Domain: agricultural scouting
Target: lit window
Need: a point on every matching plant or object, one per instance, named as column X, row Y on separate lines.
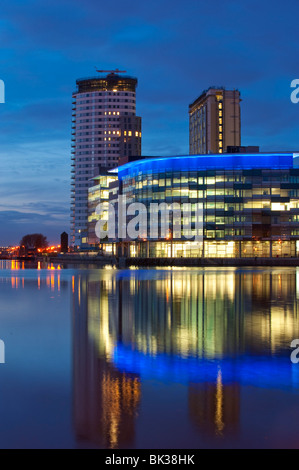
column 220, row 120
column 220, row 136
column 129, row 133
column 220, row 105
column 220, row 128
column 220, row 113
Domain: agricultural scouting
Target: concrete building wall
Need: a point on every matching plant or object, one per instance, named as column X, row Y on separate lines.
column 101, row 105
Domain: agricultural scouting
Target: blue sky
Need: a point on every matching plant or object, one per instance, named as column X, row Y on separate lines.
column 175, row 48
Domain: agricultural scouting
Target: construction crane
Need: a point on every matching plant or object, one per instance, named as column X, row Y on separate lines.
column 113, row 72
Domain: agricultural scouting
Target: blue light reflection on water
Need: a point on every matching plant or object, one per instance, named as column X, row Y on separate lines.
column 119, row 350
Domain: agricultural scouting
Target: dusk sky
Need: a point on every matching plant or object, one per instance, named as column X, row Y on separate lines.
column 175, row 48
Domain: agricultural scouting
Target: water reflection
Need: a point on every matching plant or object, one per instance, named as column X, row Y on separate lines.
column 211, row 331
column 19, row 272
column 214, row 408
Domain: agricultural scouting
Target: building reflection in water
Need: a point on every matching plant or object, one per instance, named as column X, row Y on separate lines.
column 210, row 330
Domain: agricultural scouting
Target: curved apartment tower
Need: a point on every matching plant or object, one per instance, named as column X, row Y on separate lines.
column 105, row 128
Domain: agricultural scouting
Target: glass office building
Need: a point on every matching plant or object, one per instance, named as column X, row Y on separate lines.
column 250, row 204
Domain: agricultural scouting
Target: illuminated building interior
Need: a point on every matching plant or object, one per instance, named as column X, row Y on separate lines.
column 98, row 192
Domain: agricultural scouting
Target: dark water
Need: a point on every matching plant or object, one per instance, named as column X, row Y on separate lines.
column 164, row 358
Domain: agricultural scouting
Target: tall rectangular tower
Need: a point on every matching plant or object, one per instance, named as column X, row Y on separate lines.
column 105, row 128
column 214, row 121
